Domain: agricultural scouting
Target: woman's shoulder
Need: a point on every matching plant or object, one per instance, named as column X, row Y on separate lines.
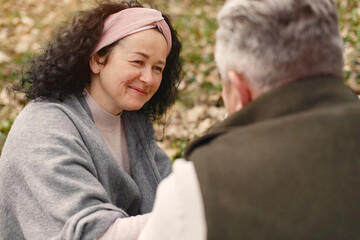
column 50, row 107
column 38, row 110
column 42, row 114
column 44, row 122
column 37, row 125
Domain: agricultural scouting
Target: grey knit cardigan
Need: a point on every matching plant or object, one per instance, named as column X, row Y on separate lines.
column 59, row 180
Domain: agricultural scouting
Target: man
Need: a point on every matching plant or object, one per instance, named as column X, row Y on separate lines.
column 285, row 164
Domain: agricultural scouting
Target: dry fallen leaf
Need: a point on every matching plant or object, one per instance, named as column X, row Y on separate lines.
column 4, row 58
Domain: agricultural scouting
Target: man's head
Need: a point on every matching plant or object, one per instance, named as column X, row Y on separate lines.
column 263, row 44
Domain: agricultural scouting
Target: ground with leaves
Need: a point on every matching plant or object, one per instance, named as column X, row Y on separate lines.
column 26, row 26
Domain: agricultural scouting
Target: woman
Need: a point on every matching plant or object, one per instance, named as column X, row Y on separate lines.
column 81, row 161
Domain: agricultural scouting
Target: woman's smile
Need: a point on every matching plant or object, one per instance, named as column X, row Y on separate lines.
column 138, row 90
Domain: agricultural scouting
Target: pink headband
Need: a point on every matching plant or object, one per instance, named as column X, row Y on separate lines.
column 129, row 21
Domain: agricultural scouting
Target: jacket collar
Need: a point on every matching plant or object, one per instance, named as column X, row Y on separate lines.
column 295, row 97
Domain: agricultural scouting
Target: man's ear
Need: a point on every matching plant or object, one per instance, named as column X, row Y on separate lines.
column 94, row 63
column 240, row 83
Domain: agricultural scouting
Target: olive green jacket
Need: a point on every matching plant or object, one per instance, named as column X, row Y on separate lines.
column 286, row 166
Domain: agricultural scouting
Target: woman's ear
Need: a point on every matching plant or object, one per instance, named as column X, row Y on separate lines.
column 241, row 85
column 95, row 64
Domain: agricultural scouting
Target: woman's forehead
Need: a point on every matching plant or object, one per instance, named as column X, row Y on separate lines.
column 148, row 42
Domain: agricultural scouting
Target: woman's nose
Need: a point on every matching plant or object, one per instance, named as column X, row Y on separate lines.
column 147, row 76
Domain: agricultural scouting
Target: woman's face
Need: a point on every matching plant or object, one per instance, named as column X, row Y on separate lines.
column 132, row 73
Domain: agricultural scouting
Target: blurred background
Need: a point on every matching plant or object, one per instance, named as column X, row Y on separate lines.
column 27, row 25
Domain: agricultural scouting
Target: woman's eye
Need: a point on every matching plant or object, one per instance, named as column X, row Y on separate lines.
column 137, row 62
column 158, row 69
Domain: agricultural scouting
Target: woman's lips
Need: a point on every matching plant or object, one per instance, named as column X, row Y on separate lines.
column 139, row 90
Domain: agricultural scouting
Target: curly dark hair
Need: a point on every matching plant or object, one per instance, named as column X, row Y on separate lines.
column 63, row 67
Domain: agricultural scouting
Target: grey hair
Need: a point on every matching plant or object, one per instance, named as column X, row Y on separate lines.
column 272, row 42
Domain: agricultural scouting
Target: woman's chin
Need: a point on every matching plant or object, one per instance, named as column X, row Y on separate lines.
column 134, row 108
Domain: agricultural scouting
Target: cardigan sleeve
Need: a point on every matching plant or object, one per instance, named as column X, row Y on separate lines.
column 51, row 181
column 125, row 228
